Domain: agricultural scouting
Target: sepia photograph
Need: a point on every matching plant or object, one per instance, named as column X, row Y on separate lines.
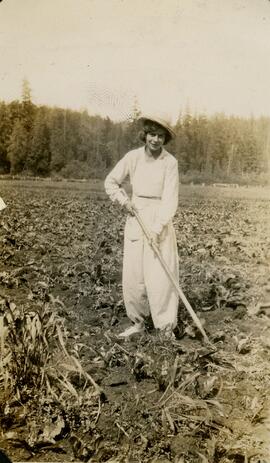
column 135, row 231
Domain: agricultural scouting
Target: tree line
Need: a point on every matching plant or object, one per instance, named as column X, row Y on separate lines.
column 45, row 141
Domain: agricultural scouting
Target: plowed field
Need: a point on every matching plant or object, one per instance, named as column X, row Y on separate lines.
column 71, row 390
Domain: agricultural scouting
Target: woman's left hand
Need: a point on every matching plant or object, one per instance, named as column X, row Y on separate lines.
column 155, row 239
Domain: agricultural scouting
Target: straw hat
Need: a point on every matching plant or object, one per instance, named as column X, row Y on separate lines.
column 159, row 120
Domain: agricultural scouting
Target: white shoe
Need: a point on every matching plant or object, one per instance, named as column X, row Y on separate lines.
column 134, row 329
column 167, row 334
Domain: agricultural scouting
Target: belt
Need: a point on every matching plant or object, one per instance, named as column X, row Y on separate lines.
column 148, row 197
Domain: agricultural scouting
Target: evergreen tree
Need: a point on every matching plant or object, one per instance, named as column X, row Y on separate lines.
column 47, row 140
column 58, row 139
column 39, row 156
column 85, row 138
column 27, row 108
column 4, row 135
column 18, row 147
column 131, row 128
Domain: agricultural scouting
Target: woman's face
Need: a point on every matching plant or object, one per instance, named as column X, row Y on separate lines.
column 155, row 139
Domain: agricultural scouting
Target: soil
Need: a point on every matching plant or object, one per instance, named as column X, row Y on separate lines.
column 180, row 400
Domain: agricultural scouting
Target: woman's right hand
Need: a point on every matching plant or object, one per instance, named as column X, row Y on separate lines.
column 130, row 207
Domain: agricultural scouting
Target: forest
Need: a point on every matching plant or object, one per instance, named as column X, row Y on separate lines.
column 44, row 141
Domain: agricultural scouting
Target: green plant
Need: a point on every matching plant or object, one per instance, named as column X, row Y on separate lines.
column 34, row 357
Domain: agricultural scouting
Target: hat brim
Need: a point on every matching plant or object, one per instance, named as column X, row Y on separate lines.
column 160, row 122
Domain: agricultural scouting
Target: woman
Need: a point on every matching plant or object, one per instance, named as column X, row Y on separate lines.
column 153, row 174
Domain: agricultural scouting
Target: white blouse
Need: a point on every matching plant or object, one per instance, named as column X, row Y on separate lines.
column 150, row 178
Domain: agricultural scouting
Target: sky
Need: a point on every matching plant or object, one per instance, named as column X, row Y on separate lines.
column 205, row 56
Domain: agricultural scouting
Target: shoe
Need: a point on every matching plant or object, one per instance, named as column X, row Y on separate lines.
column 134, row 329
column 167, row 334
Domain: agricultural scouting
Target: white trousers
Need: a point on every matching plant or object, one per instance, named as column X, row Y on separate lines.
column 146, row 286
